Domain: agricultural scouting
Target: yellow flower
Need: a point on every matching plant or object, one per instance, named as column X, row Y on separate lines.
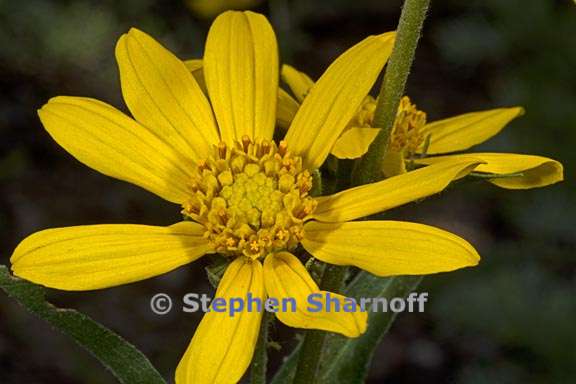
column 413, row 139
column 243, row 194
column 211, row 8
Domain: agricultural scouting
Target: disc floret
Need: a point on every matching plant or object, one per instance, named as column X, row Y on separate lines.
column 365, row 115
column 407, row 135
column 251, row 197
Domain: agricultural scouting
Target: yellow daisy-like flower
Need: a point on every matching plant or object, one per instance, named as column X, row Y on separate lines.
column 413, row 139
column 244, row 195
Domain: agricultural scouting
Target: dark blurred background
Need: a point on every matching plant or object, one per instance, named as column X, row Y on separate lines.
column 510, row 320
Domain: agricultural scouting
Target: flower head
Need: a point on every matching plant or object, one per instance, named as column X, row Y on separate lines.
column 417, row 141
column 209, row 147
column 252, row 198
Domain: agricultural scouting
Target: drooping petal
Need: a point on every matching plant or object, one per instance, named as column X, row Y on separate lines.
column 534, row 171
column 110, row 142
column 354, row 142
column 298, row 82
column 241, row 72
column 100, row 256
column 336, row 97
column 388, row 248
column 162, row 95
column 377, row 197
column 286, row 278
column 223, row 345
column 464, row 131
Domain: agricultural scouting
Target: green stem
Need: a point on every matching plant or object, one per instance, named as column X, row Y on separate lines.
column 311, row 351
column 260, row 358
column 392, row 89
column 369, row 167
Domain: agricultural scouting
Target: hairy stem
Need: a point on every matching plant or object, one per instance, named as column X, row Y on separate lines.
column 313, row 343
column 412, row 18
column 369, row 167
column 260, row 358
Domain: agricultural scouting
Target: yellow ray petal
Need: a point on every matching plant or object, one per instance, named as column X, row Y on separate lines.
column 222, row 346
column 336, row 97
column 193, row 64
column 105, row 139
column 195, row 67
column 241, row 72
column 393, row 163
column 286, row 110
column 100, row 256
column 536, row 171
column 162, row 95
column 286, row 278
column 354, row 142
column 377, row 197
column 464, row 131
column 298, row 82
column 388, row 248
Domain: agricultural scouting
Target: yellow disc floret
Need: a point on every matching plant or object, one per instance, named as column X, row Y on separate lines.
column 364, row 117
column 251, row 197
column 407, row 135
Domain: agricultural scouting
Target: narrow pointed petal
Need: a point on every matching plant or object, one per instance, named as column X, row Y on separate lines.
column 336, row 97
column 377, row 197
column 389, row 248
column 110, row 142
column 464, row 131
column 223, row 345
column 241, row 71
column 286, row 278
column 354, row 142
column 100, row 256
column 298, row 82
column 162, row 95
column 535, row 171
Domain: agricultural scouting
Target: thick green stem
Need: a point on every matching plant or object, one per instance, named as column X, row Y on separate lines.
column 412, row 18
column 313, row 343
column 260, row 358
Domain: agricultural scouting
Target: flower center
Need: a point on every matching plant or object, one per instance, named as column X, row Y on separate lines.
column 407, row 135
column 251, row 197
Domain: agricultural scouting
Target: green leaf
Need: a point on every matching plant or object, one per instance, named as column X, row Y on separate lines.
column 348, row 360
column 121, row 358
column 344, row 360
column 285, row 374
